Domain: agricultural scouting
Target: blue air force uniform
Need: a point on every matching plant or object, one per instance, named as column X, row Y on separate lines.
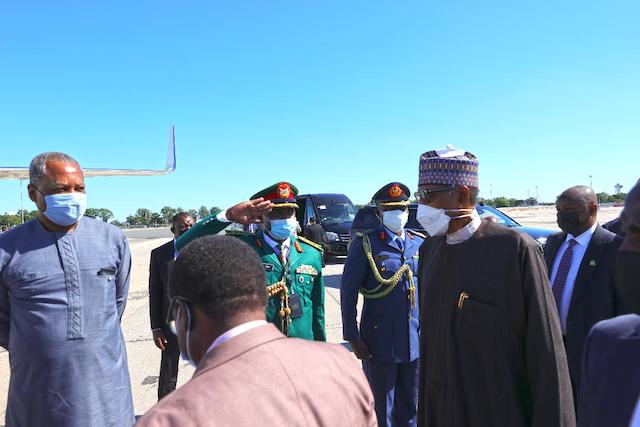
column 389, row 323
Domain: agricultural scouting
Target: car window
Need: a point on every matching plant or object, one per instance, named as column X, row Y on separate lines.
column 334, row 210
column 496, row 215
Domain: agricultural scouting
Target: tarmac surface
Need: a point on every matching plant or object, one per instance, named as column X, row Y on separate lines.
column 144, row 357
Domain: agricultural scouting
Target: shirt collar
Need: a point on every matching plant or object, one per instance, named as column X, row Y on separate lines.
column 585, row 237
column 393, row 235
column 234, row 332
column 275, row 245
column 465, row 232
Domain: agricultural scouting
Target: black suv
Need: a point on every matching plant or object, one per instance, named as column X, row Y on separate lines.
column 334, row 212
column 366, row 220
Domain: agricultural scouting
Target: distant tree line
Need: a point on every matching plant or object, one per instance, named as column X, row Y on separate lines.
column 505, row 202
column 611, row 198
column 145, row 217
column 142, row 216
column 10, row 220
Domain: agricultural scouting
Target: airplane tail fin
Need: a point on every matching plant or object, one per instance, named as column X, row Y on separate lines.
column 171, row 151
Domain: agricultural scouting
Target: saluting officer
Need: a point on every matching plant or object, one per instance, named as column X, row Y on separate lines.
column 382, row 265
column 293, row 264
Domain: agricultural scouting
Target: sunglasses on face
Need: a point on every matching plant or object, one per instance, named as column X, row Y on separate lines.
column 395, row 208
column 426, row 196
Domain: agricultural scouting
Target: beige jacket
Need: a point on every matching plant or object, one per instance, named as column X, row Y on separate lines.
column 261, row 378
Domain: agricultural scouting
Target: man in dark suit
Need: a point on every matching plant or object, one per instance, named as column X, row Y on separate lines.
column 314, row 231
column 161, row 257
column 611, row 375
column 580, row 261
column 610, row 393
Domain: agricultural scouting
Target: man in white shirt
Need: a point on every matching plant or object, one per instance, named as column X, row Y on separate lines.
column 247, row 372
column 580, row 261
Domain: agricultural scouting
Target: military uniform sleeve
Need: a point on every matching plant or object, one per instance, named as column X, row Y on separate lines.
column 206, row 226
column 317, row 300
column 155, row 294
column 547, row 369
column 353, row 277
column 123, row 276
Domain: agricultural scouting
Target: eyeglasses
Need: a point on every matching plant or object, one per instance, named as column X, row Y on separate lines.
column 425, row 195
column 174, row 305
column 394, row 208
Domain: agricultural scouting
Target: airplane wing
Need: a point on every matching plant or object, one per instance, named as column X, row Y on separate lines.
column 23, row 172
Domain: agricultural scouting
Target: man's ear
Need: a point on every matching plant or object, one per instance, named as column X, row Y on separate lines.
column 31, row 189
column 173, row 229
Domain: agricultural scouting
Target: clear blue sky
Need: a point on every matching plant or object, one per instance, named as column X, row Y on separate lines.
column 335, row 96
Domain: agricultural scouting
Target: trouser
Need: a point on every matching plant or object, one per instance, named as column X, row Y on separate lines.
column 169, row 366
column 395, row 390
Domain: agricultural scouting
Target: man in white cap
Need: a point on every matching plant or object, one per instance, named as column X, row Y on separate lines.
column 491, row 347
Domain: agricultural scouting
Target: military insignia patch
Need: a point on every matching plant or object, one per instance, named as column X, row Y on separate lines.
column 307, row 269
column 395, row 191
column 284, row 191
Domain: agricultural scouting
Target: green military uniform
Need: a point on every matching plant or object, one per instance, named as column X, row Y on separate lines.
column 303, row 274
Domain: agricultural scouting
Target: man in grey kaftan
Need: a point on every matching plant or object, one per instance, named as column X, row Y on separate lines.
column 62, row 294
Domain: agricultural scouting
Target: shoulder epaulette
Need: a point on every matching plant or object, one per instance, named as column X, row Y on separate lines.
column 415, row 233
column 368, row 232
column 310, row 243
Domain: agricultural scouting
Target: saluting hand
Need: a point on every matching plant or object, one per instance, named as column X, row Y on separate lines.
column 249, row 212
column 361, row 350
column 159, row 339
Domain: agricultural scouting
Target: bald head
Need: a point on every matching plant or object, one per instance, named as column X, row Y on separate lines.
column 577, row 209
column 580, row 194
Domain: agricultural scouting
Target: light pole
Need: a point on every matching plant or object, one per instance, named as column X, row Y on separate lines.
column 21, row 204
column 591, row 181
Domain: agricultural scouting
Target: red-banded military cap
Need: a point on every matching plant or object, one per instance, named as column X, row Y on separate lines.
column 392, row 194
column 282, row 195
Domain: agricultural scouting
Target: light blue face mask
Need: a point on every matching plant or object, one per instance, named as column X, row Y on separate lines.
column 65, row 209
column 282, row 229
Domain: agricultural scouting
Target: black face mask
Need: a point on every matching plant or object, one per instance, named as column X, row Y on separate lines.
column 628, row 281
column 569, row 221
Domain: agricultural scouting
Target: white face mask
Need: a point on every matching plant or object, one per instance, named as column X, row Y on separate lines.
column 186, row 357
column 395, row 220
column 436, row 221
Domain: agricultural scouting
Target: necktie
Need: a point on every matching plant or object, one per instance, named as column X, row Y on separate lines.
column 400, row 243
column 282, row 256
column 560, row 281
